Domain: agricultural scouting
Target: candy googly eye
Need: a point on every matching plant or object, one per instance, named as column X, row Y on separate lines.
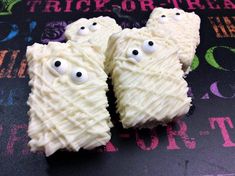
column 59, row 65
column 149, row 46
column 162, row 19
column 177, row 16
column 83, row 31
column 134, row 54
column 79, row 75
column 94, row 26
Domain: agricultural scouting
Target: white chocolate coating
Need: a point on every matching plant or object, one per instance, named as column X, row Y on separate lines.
column 67, row 112
column 150, row 88
column 182, row 26
column 97, row 34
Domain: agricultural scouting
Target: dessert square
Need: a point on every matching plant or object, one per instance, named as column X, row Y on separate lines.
column 181, row 26
column 96, row 30
column 68, row 97
column 147, row 78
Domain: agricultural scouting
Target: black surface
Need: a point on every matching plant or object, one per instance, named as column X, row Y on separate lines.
column 134, row 152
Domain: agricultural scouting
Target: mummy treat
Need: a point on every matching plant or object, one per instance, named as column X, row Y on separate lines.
column 68, row 97
column 147, row 78
column 182, row 26
column 97, row 30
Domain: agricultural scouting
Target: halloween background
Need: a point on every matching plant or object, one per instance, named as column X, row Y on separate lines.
column 202, row 143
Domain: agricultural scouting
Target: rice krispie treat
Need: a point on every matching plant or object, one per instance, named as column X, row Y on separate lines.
column 147, row 78
column 97, row 30
column 68, row 97
column 182, row 26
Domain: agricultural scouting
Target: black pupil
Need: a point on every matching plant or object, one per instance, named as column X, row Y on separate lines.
column 94, row 23
column 135, row 52
column 57, row 63
column 150, row 43
column 78, row 74
column 163, row 16
column 82, row 27
column 177, row 13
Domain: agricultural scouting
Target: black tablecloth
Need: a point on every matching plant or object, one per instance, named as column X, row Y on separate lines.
column 202, row 143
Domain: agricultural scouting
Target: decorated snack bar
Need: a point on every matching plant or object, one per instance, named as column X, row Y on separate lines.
column 96, row 30
column 67, row 100
column 147, row 77
column 181, row 26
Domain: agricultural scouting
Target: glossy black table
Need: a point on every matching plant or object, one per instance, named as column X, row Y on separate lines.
column 202, row 143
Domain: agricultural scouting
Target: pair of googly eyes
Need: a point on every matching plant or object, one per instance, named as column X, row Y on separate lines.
column 85, row 30
column 148, row 47
column 163, row 18
column 78, row 75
